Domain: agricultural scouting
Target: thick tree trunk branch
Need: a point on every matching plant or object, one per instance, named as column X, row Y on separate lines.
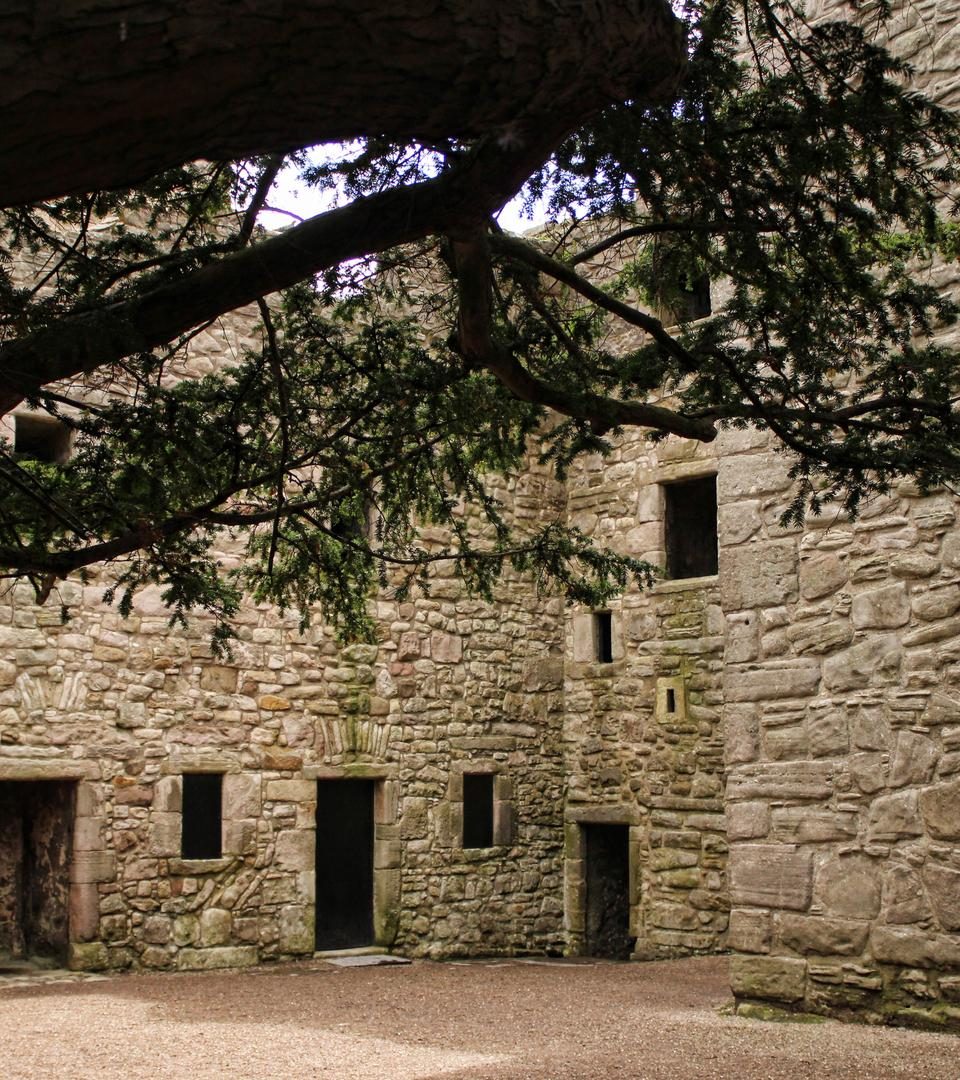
column 81, row 343
column 103, row 94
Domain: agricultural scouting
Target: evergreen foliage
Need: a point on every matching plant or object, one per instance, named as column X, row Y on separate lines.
column 394, row 380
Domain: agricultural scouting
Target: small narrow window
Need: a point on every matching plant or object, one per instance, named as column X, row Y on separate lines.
column 478, row 810
column 671, row 700
column 690, row 527
column 695, row 298
column 603, row 627
column 202, row 815
column 41, row 437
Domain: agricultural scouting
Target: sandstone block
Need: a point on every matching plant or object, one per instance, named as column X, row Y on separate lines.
column 767, row 977
column 274, row 703
column 856, row 667
column 741, row 724
column 904, row 898
column 750, row 931
column 868, row 772
column 914, row 564
column 157, row 929
column 914, row 760
column 942, row 709
column 295, row 849
column 446, row 648
column 827, row 937
column 943, row 889
column 296, row 929
column 765, row 875
column 165, row 832
column 822, row 574
column 88, row 956
column 894, row 817
column 291, row 790
column 218, row 679
column 936, row 604
column 186, row 929
column 810, row 780
column 748, row 820
column 93, row 866
column 884, row 608
column 914, row 948
column 828, row 732
column 758, row 575
column 84, row 912
column 940, row 806
column 168, row 795
column 848, row 886
column 223, row 957
column 241, row 795
column 215, row 924
column 819, row 638
column 775, row 680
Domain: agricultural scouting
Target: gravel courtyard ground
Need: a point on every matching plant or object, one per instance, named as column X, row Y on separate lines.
column 472, row 1020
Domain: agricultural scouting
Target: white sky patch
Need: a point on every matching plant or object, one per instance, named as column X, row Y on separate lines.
column 292, row 199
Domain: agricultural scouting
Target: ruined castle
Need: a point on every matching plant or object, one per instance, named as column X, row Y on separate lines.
column 760, row 754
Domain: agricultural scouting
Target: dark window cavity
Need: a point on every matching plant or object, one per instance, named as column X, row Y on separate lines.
column 478, row 810
column 42, row 438
column 603, row 635
column 691, row 527
column 671, row 700
column 202, row 815
column 695, row 298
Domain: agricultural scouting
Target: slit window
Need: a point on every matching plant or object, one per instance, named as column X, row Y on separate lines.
column 202, row 816
column 694, row 297
column 690, row 527
column 478, row 810
column 603, row 636
column 671, row 700
column 41, row 438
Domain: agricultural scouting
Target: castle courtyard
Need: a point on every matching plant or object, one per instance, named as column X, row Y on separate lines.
column 472, row 1020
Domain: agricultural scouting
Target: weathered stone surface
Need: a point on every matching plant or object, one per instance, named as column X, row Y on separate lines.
column 747, row 821
column 767, row 977
column 295, row 849
column 765, row 875
column 848, row 886
column 828, row 732
column 940, row 806
column 296, row 929
column 943, row 889
column 757, row 575
column 215, row 926
column 750, row 931
column 914, row 948
column 883, row 608
column 827, row 937
column 857, row 667
column 904, row 898
column 914, row 759
column 819, row 638
column 232, row 956
column 776, row 679
column 781, row 780
column 894, row 817
column 822, row 574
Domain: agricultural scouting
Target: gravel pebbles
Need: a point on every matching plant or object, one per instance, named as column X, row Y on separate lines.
column 473, row 1020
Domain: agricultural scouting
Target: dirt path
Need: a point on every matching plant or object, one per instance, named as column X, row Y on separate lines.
column 475, row 1020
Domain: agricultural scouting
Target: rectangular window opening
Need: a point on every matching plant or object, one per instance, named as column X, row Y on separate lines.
column 603, row 625
column 695, row 298
column 202, row 816
column 478, row 810
column 671, row 700
column 690, row 527
column 42, row 438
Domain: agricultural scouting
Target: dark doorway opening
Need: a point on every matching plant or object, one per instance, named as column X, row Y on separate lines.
column 607, row 922
column 344, row 864
column 36, row 833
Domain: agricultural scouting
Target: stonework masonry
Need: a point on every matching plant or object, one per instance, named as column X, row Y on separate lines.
column 774, row 748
